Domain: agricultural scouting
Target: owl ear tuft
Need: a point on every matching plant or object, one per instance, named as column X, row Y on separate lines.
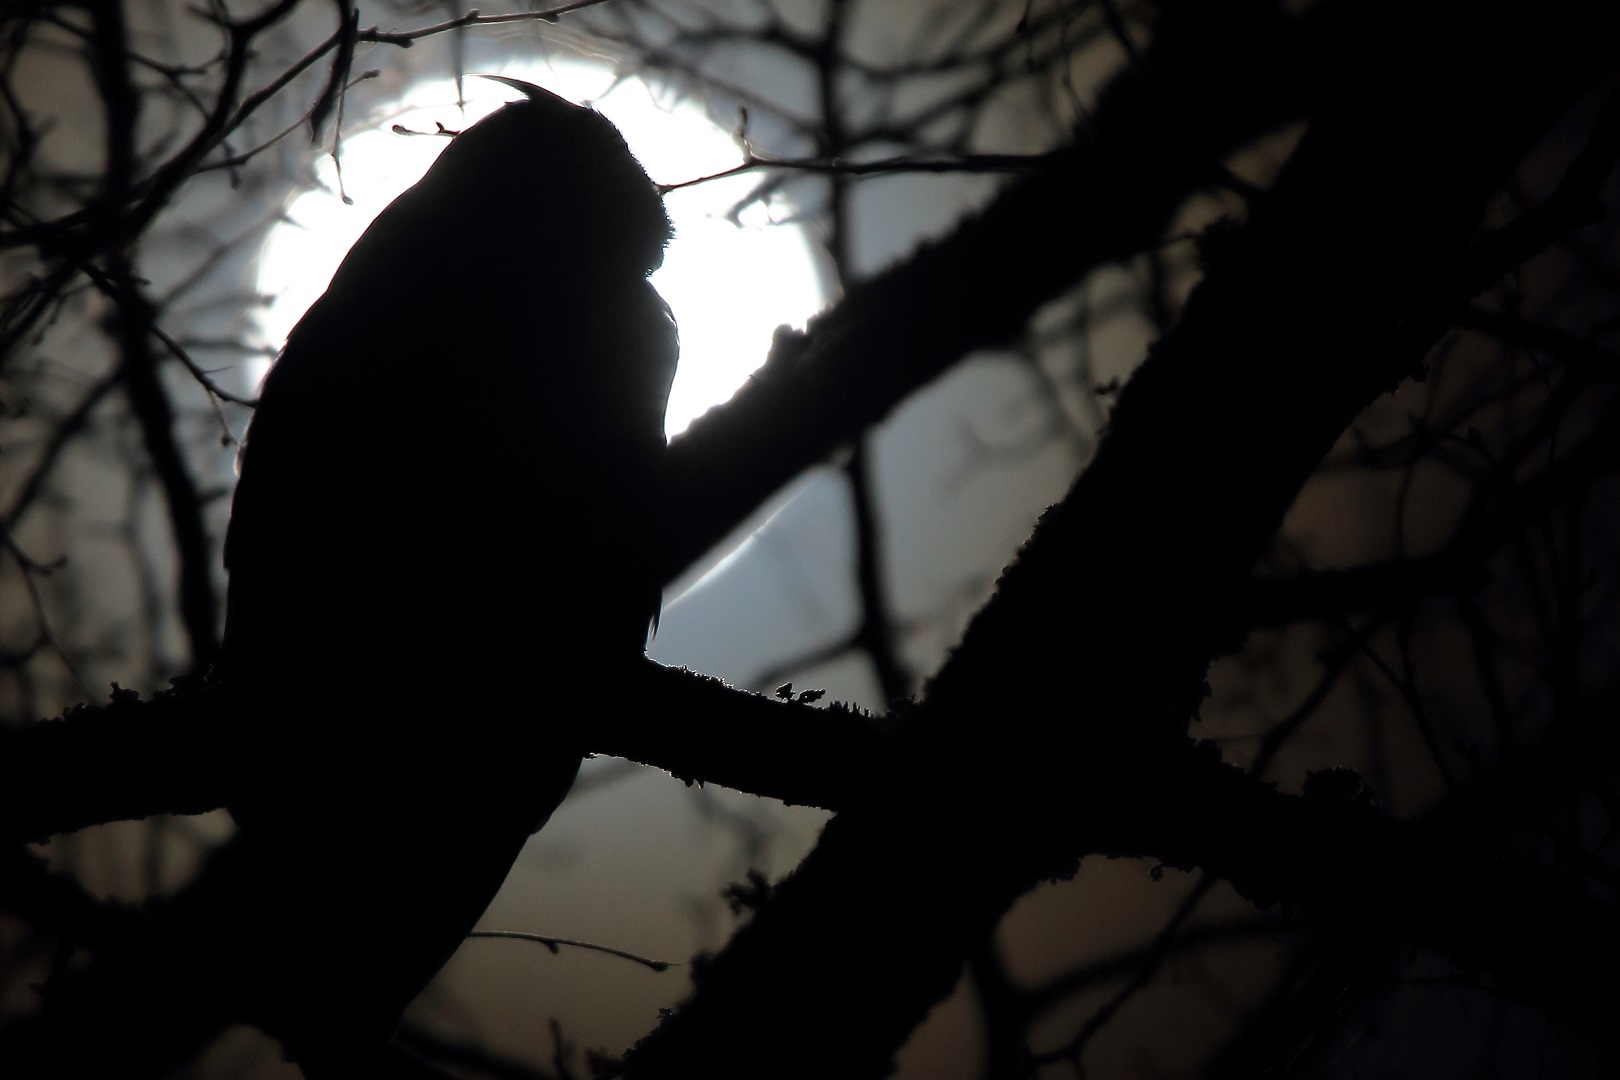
column 527, row 89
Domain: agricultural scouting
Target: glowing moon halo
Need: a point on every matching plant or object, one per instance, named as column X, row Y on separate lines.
column 730, row 284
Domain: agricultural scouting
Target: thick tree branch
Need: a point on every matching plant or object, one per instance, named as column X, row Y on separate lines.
column 703, row 731
column 1124, row 594
column 179, row 752
column 1217, row 78
column 124, row 760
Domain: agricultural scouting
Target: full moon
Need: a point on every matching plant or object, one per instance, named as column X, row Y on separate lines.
column 731, row 279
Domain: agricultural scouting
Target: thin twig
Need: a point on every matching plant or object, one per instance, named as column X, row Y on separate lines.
column 555, row 943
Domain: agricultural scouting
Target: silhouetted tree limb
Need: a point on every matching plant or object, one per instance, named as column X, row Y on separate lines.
column 179, row 752
column 1310, row 313
column 703, row 731
column 1218, row 80
column 128, row 759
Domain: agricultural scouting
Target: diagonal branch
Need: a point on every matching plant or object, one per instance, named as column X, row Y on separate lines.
column 1314, row 310
column 1110, row 196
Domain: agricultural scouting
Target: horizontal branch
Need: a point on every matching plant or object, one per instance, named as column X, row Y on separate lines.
column 179, row 752
column 702, row 731
column 126, row 760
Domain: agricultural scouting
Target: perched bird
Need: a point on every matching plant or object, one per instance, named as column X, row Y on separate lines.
column 438, row 569
column 436, row 565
